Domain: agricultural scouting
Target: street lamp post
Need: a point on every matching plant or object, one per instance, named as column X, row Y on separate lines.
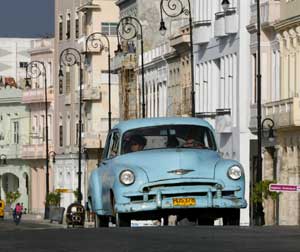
column 259, row 208
column 70, row 57
column 130, row 28
column 34, row 70
column 174, row 8
column 94, row 42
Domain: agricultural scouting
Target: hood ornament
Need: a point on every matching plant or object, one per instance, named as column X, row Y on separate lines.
column 180, row 171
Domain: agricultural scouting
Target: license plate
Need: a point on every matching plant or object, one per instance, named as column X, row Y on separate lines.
column 184, row 201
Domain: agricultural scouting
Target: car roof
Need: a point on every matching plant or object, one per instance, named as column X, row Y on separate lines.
column 123, row 126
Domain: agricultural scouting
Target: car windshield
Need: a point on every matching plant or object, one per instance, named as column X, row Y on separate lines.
column 168, row 136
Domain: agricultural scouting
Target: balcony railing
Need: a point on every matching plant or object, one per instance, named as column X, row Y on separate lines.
column 35, row 151
column 41, row 43
column 284, row 113
column 91, row 140
column 202, row 32
column 219, row 25
column 37, row 95
column 91, row 93
column 128, row 61
column 270, row 12
column 180, row 40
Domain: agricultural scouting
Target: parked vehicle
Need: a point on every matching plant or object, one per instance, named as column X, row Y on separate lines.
column 153, row 168
column 2, row 207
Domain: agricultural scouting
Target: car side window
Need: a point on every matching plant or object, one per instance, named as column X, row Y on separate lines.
column 114, row 145
column 106, row 148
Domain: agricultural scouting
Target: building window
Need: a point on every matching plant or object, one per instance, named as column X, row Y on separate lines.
column 77, row 132
column 61, row 138
column 60, row 27
column 23, row 64
column 43, row 128
column 16, row 132
column 68, row 83
column 68, row 131
column 77, row 28
column 68, row 33
column 60, row 86
column 109, row 29
column 83, row 24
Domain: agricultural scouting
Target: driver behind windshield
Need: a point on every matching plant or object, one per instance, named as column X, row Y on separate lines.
column 137, row 143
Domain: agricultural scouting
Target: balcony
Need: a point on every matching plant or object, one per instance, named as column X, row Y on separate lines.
column 91, row 93
column 201, row 32
column 124, row 60
column 35, row 151
column 42, row 46
column 219, row 27
column 91, row 140
column 285, row 113
column 37, row 95
column 270, row 13
column 91, row 5
column 231, row 21
column 180, row 40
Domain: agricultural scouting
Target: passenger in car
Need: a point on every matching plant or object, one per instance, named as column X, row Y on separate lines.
column 192, row 142
column 137, row 143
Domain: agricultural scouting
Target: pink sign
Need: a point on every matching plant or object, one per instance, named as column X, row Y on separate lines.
column 283, row 188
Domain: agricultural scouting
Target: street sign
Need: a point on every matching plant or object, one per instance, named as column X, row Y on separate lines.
column 284, row 188
column 63, row 190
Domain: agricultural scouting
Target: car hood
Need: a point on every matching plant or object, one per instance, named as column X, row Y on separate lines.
column 173, row 163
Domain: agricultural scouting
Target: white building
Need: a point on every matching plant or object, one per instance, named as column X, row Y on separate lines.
column 222, row 78
column 222, row 68
column 14, row 56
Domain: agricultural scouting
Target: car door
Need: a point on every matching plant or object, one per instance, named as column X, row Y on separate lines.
column 108, row 177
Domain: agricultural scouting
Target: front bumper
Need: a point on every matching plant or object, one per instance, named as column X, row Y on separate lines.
column 159, row 199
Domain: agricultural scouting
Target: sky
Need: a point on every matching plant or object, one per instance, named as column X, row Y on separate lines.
column 26, row 18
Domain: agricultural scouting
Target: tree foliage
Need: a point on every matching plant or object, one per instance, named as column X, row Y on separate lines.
column 11, row 197
column 53, row 199
column 261, row 191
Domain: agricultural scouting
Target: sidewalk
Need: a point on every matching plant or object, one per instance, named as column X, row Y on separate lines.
column 40, row 219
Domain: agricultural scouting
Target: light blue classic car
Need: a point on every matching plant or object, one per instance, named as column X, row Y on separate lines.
column 154, row 168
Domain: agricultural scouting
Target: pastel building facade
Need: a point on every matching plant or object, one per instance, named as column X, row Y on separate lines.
column 14, row 56
column 14, row 127
column 33, row 97
column 281, row 161
column 75, row 20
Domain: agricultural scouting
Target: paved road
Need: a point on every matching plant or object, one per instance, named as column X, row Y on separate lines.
column 47, row 237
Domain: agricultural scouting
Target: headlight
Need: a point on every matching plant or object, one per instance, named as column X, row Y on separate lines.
column 127, row 177
column 234, row 172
